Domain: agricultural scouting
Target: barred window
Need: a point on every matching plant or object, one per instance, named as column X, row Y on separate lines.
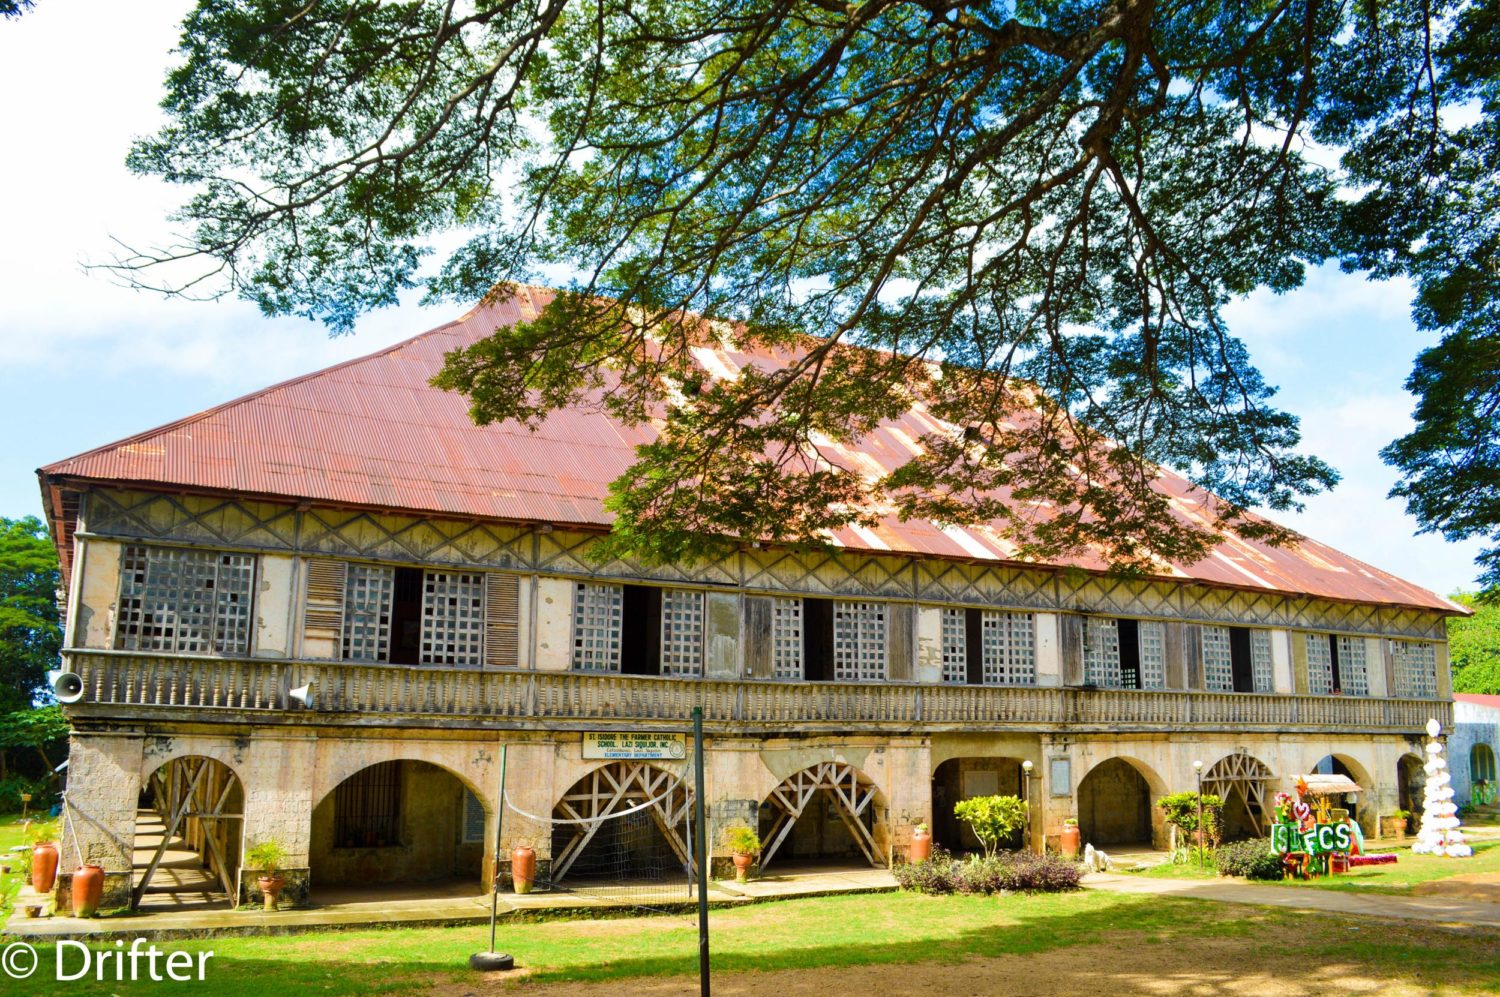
column 473, row 818
column 453, row 618
column 681, row 632
column 859, row 641
column 955, row 646
column 1416, row 669
column 368, row 591
column 786, row 638
column 1260, row 660
column 367, row 808
column 1009, row 649
column 1153, row 637
column 1319, row 664
column 1354, row 680
column 184, row 601
column 598, row 614
column 1101, row 652
column 1218, row 660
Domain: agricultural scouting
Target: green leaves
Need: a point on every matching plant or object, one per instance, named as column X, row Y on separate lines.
column 1028, row 217
column 30, row 636
column 993, row 818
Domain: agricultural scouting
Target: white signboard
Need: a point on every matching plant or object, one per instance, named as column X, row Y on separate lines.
column 604, row 744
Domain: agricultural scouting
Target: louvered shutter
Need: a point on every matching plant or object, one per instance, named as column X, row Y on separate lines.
column 323, row 617
column 502, row 620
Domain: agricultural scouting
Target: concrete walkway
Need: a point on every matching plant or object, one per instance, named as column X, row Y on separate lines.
column 1429, row 910
column 370, row 910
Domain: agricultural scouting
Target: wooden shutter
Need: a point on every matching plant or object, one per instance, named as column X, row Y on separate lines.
column 758, row 638
column 1070, row 640
column 502, row 620
column 901, row 623
column 323, row 611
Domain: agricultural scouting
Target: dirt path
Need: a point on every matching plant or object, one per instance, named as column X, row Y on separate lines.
column 1445, row 908
column 1240, row 964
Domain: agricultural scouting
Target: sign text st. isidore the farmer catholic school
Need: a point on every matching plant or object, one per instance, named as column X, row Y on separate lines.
column 626, row 744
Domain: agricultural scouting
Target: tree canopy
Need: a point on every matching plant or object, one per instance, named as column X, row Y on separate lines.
column 30, row 637
column 1474, row 647
column 1031, row 214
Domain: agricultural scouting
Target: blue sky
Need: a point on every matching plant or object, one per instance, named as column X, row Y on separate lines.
column 86, row 361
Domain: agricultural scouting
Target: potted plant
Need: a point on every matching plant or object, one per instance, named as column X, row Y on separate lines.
column 1072, row 838
column 744, row 845
column 43, row 838
column 266, row 858
column 1394, row 826
column 921, row 844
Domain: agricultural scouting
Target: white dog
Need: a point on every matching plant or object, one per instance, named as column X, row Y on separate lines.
column 1095, row 860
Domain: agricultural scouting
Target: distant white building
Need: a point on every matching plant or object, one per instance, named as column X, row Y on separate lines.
column 1474, row 744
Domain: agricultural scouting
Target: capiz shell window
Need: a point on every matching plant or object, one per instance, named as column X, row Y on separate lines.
column 859, row 641
column 184, row 601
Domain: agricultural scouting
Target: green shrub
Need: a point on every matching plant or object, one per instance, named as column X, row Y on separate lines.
column 742, row 841
column 43, row 794
column 266, row 857
column 1250, row 859
column 1002, row 872
column 993, row 818
column 1181, row 810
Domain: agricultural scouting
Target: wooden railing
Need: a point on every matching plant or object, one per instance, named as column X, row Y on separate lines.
column 116, row 682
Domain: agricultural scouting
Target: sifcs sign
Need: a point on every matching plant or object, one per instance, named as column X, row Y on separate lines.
column 1320, row 839
column 626, row 744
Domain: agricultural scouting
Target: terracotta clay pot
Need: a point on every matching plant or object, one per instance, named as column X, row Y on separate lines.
column 1393, row 827
column 88, row 888
column 523, row 867
column 1072, row 841
column 44, row 866
column 270, row 889
column 921, row 845
column 742, row 865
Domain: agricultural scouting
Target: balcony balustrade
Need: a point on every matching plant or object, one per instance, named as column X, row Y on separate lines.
column 125, row 684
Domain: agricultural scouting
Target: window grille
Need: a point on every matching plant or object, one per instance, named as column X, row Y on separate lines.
column 858, row 641
column 473, row 818
column 955, row 646
column 1153, row 638
column 681, row 632
column 1319, row 664
column 368, row 593
column 786, row 638
column 453, row 618
column 1009, row 648
column 1260, row 660
column 1416, row 669
column 1101, row 652
column 1218, row 662
column 1354, row 679
column 184, row 601
column 598, row 614
column 367, row 807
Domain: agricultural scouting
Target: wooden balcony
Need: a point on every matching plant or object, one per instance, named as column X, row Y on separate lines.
column 125, row 685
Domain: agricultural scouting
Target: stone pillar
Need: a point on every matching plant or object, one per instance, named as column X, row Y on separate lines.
column 278, row 774
column 104, row 785
column 534, row 780
column 909, row 790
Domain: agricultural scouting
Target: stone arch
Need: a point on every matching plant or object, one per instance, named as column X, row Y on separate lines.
column 156, row 756
column 612, row 809
column 818, row 809
column 1117, row 803
column 1243, row 782
column 330, row 777
column 1338, row 763
column 1482, row 769
column 397, row 821
column 962, row 777
column 190, row 828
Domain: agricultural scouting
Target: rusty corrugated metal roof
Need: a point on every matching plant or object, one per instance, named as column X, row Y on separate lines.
column 372, row 432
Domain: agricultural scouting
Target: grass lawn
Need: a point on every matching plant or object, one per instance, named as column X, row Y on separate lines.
column 19, row 862
column 1082, row 941
column 1409, row 871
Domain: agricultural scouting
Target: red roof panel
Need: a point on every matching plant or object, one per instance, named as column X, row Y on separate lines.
column 373, row 432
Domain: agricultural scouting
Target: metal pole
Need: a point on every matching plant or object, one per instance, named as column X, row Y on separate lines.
column 1200, row 820
column 701, row 849
column 492, row 960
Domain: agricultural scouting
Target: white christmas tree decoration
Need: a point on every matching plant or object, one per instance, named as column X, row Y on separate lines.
column 1439, row 834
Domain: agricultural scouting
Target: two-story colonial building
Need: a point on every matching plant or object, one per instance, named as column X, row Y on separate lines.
column 431, row 581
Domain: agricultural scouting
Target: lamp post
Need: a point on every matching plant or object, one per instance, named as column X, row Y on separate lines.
column 1026, row 767
column 1198, row 773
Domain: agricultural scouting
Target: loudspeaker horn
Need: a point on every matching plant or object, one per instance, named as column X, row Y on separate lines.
column 304, row 695
column 66, row 686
